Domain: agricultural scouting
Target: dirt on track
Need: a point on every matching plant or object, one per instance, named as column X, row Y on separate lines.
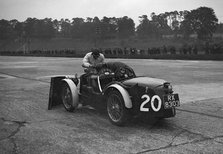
column 26, row 126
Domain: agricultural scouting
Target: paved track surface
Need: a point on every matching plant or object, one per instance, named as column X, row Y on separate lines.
column 26, row 126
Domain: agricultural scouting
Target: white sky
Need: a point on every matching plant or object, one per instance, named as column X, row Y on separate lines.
column 57, row 9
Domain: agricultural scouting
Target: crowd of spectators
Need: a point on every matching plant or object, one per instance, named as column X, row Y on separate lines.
column 164, row 50
column 170, row 50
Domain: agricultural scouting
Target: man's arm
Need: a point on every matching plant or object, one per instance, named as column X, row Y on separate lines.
column 86, row 60
column 103, row 58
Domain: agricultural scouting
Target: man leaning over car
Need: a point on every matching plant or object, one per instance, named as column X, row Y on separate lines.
column 93, row 58
column 90, row 61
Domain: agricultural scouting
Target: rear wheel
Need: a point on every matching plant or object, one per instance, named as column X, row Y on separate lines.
column 116, row 110
column 68, row 97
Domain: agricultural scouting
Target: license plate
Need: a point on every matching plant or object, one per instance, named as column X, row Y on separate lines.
column 171, row 100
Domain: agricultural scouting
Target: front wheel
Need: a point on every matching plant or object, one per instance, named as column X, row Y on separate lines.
column 116, row 110
column 169, row 113
column 69, row 96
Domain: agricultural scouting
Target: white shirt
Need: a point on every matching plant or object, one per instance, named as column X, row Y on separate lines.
column 89, row 60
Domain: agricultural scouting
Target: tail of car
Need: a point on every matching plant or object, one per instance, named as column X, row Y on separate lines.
column 56, row 85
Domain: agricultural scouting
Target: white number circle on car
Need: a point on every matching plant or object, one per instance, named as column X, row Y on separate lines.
column 147, row 99
column 159, row 103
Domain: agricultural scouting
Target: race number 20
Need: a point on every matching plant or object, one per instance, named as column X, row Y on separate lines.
column 152, row 101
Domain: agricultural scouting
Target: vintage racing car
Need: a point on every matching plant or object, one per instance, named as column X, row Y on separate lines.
column 114, row 87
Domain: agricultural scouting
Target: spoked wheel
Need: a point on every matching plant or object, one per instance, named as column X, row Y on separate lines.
column 68, row 97
column 116, row 110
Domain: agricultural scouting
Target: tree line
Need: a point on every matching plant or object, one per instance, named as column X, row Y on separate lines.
column 201, row 21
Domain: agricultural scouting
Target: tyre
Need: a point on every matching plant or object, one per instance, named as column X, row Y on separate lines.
column 69, row 96
column 116, row 110
column 172, row 112
column 169, row 113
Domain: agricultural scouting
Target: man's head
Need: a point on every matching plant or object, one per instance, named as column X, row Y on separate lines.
column 95, row 53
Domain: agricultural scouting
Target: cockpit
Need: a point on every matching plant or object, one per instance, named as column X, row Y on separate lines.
column 117, row 70
column 109, row 72
column 106, row 73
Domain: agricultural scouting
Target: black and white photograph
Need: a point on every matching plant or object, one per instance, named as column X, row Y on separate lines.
column 111, row 76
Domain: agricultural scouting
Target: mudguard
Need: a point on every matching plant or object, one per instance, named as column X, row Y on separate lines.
column 74, row 91
column 124, row 93
column 56, row 84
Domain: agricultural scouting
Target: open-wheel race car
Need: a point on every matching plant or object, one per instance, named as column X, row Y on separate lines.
column 114, row 87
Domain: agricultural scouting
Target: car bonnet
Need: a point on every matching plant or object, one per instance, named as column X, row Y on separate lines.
column 144, row 81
